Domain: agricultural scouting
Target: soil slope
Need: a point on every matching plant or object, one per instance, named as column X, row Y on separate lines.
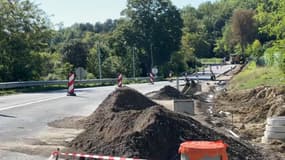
column 250, row 110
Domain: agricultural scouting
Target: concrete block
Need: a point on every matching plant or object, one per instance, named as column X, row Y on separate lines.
column 184, row 106
column 275, row 129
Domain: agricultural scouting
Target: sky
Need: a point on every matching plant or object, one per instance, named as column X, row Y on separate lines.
column 82, row 11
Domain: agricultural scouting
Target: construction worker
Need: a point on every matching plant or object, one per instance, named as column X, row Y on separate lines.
column 213, row 77
column 187, row 85
column 170, row 76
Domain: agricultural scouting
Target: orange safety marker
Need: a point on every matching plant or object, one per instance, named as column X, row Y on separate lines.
column 197, row 150
column 151, row 78
column 120, row 80
column 71, row 80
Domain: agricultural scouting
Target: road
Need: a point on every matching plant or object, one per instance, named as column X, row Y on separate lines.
column 217, row 70
column 24, row 116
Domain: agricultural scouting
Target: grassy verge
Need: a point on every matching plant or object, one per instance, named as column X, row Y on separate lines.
column 31, row 89
column 253, row 76
column 211, row 60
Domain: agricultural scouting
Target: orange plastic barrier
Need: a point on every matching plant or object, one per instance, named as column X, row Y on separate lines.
column 197, row 150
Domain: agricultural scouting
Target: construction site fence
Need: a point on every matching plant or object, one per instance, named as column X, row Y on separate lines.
column 21, row 84
column 78, row 156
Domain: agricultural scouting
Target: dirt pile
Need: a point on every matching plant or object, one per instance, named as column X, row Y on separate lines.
column 256, row 104
column 168, row 92
column 250, row 110
column 128, row 124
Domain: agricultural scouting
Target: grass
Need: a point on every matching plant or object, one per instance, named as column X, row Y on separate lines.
column 211, row 60
column 253, row 76
column 31, row 89
column 7, row 92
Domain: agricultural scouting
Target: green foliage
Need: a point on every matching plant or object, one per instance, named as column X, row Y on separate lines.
column 92, row 61
column 108, row 26
column 24, row 30
column 226, row 44
column 75, row 53
column 255, row 49
column 275, row 56
column 196, row 35
column 271, row 16
column 254, row 76
column 112, row 66
column 54, row 68
column 211, row 60
column 153, row 33
column 90, row 76
column 178, row 63
column 155, row 27
column 210, row 26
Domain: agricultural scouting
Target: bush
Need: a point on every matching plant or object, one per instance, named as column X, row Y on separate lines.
column 90, row 76
column 260, row 61
column 282, row 63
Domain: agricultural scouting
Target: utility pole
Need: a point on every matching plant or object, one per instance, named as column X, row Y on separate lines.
column 134, row 67
column 151, row 56
column 99, row 60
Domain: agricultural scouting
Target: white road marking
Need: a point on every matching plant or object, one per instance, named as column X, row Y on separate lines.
column 28, row 103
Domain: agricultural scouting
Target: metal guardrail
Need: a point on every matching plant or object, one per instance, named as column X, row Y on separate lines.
column 7, row 85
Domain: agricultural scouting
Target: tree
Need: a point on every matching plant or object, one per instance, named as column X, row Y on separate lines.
column 24, row 30
column 271, row 17
column 108, row 26
column 256, row 48
column 157, row 31
column 190, row 19
column 244, row 27
column 226, row 44
column 112, row 66
column 75, row 52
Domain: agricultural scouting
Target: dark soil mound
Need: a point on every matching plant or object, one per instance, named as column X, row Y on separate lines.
column 128, row 124
column 168, row 92
column 126, row 99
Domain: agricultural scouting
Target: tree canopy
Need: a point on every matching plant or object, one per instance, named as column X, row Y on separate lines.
column 156, row 29
column 151, row 33
column 24, row 29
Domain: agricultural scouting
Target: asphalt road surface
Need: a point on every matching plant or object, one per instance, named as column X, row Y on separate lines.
column 23, row 116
